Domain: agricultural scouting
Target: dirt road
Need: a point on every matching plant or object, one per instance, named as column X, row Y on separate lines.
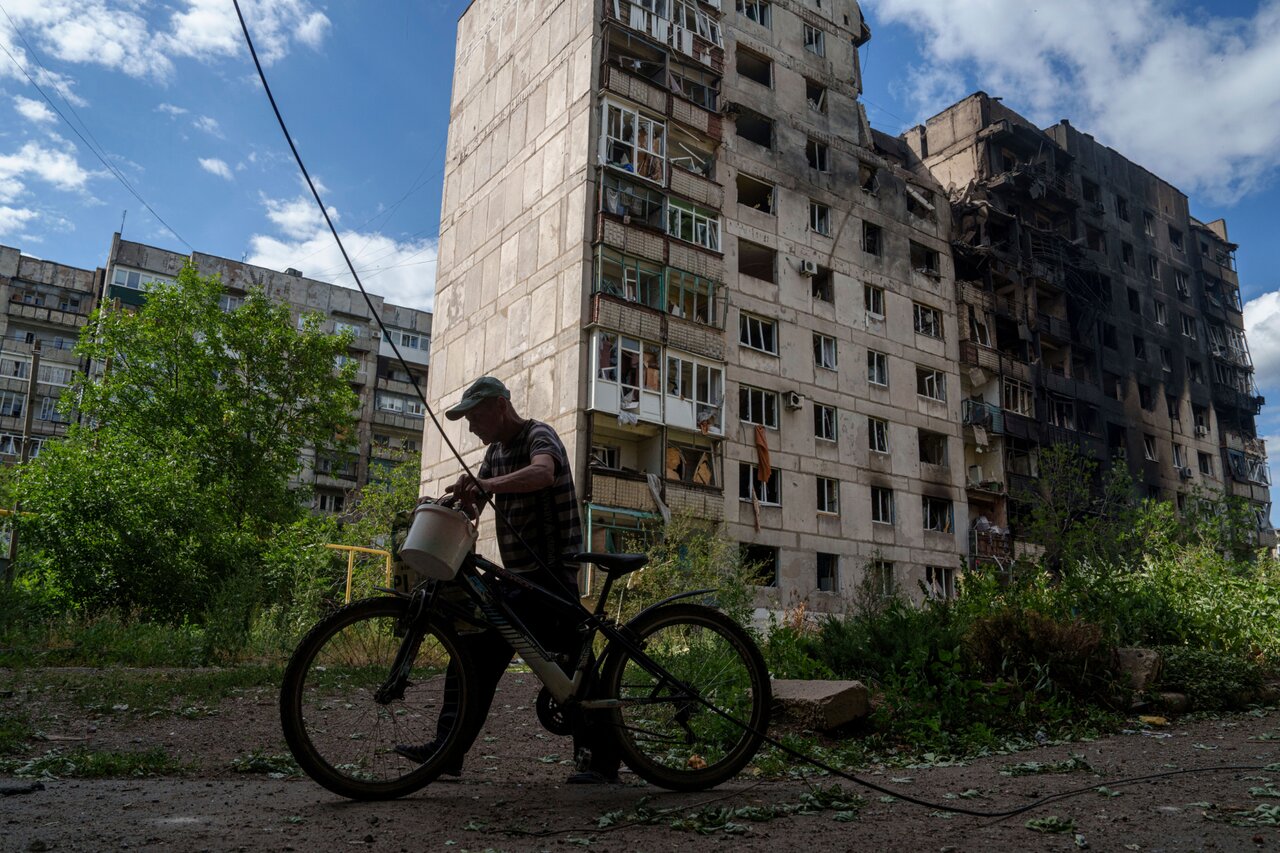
column 513, row 790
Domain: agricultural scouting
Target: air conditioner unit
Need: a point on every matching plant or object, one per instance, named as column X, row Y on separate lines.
column 794, row 400
column 1184, row 473
column 808, row 268
column 1202, row 430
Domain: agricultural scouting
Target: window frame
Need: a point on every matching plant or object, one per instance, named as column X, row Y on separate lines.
column 828, row 495
column 927, row 320
column 768, row 493
column 745, row 329
column 931, row 379
column 877, row 435
column 747, row 413
column 882, row 506
column 877, row 366
column 825, row 352
column 826, row 423
column 937, row 515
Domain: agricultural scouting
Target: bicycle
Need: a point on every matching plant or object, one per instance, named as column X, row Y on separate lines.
column 681, row 687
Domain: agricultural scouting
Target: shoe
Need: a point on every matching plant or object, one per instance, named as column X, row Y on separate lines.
column 424, row 753
column 592, row 777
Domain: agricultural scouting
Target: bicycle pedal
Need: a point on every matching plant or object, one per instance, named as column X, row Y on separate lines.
column 582, row 760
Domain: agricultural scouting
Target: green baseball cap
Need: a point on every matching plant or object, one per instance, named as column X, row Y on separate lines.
column 482, row 389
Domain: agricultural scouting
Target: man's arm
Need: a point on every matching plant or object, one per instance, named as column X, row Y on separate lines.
column 537, row 475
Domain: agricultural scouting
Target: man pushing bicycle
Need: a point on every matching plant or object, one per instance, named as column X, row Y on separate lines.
column 527, row 471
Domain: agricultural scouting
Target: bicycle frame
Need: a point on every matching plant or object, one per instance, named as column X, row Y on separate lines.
column 498, row 616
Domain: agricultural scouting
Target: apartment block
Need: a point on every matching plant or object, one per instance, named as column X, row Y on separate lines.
column 1093, row 311
column 391, row 415
column 668, row 226
column 46, row 304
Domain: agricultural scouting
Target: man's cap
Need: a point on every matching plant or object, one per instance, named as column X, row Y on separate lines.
column 482, row 389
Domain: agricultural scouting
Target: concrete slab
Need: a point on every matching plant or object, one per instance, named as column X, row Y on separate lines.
column 821, row 705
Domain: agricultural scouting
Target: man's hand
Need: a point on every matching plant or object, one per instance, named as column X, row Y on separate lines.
column 467, row 490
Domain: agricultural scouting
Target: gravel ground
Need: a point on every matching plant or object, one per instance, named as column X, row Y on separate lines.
column 513, row 789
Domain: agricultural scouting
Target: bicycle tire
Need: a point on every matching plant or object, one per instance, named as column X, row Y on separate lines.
column 340, row 735
column 711, row 654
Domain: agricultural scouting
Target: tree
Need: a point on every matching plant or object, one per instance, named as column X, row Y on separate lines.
column 178, row 478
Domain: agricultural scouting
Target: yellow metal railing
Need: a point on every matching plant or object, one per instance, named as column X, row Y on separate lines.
column 352, row 550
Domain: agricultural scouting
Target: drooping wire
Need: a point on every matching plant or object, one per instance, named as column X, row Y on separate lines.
column 94, row 149
column 569, row 597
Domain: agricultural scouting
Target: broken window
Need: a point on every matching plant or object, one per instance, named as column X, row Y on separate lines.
column 1135, row 304
column 634, row 142
column 937, row 514
column 758, row 333
column 1146, row 399
column 1108, row 335
column 687, row 17
column 933, row 448
column 979, row 330
column 818, row 155
column 1122, row 208
column 931, row 383
column 755, row 193
column 1018, row 398
column 924, row 259
column 693, row 297
column 815, row 40
column 1153, row 267
column 756, row 10
column 828, row 495
column 753, row 127
column 606, row 456
column 698, row 85
column 1195, row 372
column 753, row 66
column 757, row 406
column 868, row 178
column 1188, row 326
column 1180, row 283
column 1095, row 239
column 1091, row 194
column 631, row 199
column 630, row 278
column 877, row 435
column 928, row 321
column 819, row 218
column 1140, row 347
column 1062, row 412
column 1175, row 238
column 828, row 568
column 871, row 239
column 1149, row 451
column 824, row 351
column 873, row 300
column 1126, row 255
column 757, row 261
column 816, row 94
column 1166, row 358
column 820, row 285
column 824, row 422
column 1162, row 314
column 1148, row 224
column 688, row 152
column 687, row 221
column 689, row 462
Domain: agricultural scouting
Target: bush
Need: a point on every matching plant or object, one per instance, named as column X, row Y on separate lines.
column 1212, row 680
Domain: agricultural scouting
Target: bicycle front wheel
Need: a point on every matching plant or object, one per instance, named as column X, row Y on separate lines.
column 341, row 721
column 696, row 718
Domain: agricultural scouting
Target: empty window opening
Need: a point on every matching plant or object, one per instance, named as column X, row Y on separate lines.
column 819, row 218
column 818, row 155
column 757, row 261
column 924, row 259
column 933, row 448
column 828, row 569
column 824, row 422
column 872, row 239
column 820, row 285
column 758, row 333
column 816, row 94
column 755, row 193
column 754, row 127
column 757, row 11
column 815, row 40
column 753, row 66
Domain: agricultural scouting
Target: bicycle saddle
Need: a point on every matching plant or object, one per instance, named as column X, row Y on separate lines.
column 612, row 564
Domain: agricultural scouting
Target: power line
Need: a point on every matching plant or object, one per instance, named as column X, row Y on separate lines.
column 119, row 176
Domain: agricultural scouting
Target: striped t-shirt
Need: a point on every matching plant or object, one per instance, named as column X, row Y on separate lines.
column 547, row 519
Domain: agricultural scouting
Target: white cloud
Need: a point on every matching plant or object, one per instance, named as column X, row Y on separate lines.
column 214, row 166
column 59, row 168
column 1262, row 324
column 207, row 28
column 172, row 110
column 1158, row 85
column 208, row 125
column 12, row 219
column 402, row 272
column 33, row 110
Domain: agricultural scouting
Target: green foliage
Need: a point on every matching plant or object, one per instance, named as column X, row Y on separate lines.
column 83, row 763
column 173, row 502
column 690, row 555
column 1214, row 681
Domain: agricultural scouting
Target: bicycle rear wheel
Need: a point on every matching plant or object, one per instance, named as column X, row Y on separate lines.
column 665, row 732
column 341, row 731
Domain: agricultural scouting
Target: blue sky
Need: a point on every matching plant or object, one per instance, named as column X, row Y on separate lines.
column 165, row 92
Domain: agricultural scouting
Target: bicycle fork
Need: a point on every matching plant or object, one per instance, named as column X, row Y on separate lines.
column 420, row 604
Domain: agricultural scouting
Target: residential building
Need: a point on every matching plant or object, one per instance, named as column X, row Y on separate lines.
column 1094, row 311
column 670, row 229
column 45, row 304
column 391, row 415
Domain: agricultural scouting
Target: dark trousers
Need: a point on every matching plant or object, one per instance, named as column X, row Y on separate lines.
column 490, row 655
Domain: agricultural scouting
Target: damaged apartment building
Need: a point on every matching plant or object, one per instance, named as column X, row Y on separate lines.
column 1095, row 311
column 669, row 228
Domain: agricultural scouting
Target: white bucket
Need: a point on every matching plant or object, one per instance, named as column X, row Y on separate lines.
column 438, row 541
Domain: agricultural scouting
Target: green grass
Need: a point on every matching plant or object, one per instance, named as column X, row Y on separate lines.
column 188, row 693
column 81, row 763
column 102, row 641
column 15, row 731
column 272, row 764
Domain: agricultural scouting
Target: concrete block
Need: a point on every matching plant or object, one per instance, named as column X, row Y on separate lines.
column 1140, row 667
column 821, row 705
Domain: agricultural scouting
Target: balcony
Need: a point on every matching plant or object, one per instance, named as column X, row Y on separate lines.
column 1021, row 485
column 1058, row 328
column 970, row 293
column 701, row 502
column 976, row 355
column 635, row 320
column 622, row 490
column 990, row 545
column 636, row 90
column 694, row 33
column 982, row 415
column 48, row 314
